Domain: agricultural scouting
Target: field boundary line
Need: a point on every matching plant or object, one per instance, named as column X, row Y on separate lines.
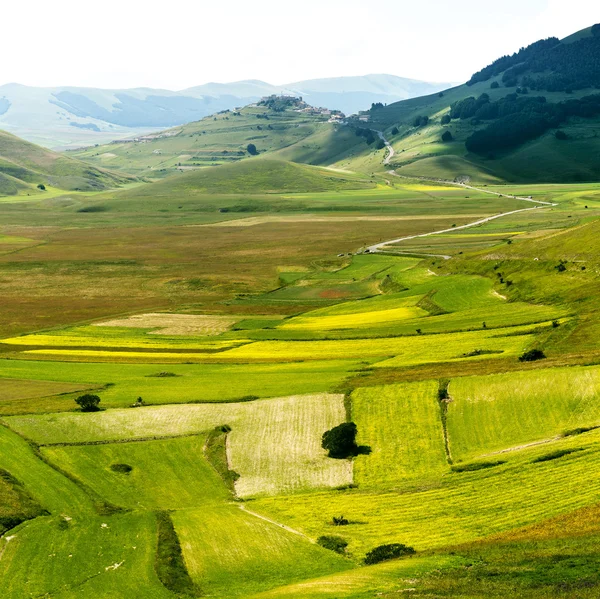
column 275, row 523
column 116, row 441
column 523, row 446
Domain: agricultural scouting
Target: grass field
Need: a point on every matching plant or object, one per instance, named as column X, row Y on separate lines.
column 186, row 479
column 491, row 413
column 460, row 507
column 402, row 426
column 231, row 553
column 122, row 384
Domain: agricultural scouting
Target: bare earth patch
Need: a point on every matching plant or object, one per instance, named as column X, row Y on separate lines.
column 175, row 324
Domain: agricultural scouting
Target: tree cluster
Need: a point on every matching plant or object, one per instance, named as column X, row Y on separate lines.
column 366, row 133
column 517, row 119
column 421, row 121
column 384, row 553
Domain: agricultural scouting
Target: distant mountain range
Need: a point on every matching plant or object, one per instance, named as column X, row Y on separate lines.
column 62, row 117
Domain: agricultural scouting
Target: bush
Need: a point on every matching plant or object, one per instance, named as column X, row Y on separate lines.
column 495, row 85
column 554, row 455
column 121, row 468
column 340, row 521
column 251, row 149
column 384, row 553
column 88, row 402
column 532, row 355
column 447, row 136
column 380, row 144
column 420, row 121
column 395, row 131
column 333, row 543
column 41, row 186
column 446, row 119
column 340, row 441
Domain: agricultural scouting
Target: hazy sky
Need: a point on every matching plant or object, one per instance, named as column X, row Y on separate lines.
column 178, row 44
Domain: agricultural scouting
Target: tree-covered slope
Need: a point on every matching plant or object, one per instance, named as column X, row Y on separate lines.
column 532, row 116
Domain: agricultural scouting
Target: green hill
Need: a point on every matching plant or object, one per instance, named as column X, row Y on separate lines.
column 224, row 138
column 256, row 176
column 503, row 123
column 25, row 166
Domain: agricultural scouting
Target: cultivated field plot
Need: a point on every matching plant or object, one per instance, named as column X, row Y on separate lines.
column 231, row 553
column 275, row 445
column 491, row 413
column 122, row 384
column 462, row 506
column 403, row 427
column 410, row 350
column 175, row 324
column 17, row 389
column 122, row 337
column 273, row 458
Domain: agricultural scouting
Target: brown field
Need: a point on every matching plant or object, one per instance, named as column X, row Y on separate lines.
column 79, row 275
column 17, row 389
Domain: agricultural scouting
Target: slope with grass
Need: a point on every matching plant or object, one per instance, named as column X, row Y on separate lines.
column 217, row 139
column 25, row 166
column 488, row 414
column 540, row 157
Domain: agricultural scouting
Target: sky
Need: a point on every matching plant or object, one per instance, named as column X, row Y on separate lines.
column 175, row 45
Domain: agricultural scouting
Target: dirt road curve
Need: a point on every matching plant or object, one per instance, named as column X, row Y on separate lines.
column 378, row 247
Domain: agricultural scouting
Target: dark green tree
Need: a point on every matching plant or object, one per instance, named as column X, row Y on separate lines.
column 447, row 136
column 251, row 149
column 340, row 441
column 88, row 402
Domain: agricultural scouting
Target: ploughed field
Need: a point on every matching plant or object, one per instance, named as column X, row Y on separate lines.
column 222, row 350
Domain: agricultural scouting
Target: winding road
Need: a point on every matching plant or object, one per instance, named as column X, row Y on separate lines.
column 378, row 247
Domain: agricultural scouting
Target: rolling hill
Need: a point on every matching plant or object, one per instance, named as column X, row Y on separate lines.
column 64, row 117
column 289, row 128
column 502, row 124
column 25, row 168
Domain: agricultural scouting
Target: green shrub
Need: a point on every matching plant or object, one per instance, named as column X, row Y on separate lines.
column 384, row 553
column 532, row 355
column 333, row 543
column 554, row 455
column 121, row 468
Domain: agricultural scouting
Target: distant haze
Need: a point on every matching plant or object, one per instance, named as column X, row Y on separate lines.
column 62, row 117
column 133, row 43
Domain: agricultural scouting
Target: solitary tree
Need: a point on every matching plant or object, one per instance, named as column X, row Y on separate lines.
column 447, row 136
column 395, row 131
column 41, row 186
column 251, row 148
column 340, row 441
column 88, row 402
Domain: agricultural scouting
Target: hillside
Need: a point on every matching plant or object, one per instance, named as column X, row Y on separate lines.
column 25, row 166
column 502, row 125
column 63, row 117
column 253, row 176
column 225, row 137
